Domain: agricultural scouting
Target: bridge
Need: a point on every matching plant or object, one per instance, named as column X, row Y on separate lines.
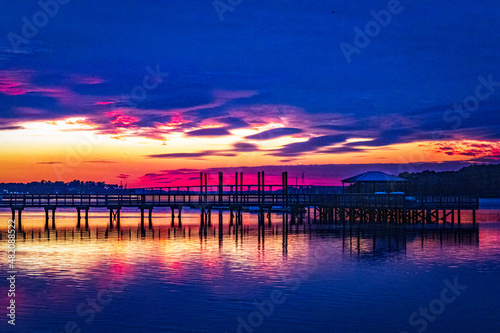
column 315, row 207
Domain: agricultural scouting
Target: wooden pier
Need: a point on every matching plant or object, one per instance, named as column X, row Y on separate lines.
column 261, row 198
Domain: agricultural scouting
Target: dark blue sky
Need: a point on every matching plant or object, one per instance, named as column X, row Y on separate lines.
column 426, row 59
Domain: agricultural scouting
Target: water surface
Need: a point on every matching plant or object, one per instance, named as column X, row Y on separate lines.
column 316, row 279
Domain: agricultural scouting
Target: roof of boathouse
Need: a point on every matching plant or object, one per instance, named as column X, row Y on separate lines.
column 373, row 176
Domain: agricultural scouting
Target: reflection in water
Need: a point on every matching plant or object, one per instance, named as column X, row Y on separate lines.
column 346, row 278
column 364, row 238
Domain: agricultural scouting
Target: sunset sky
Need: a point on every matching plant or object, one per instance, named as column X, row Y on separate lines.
column 148, row 92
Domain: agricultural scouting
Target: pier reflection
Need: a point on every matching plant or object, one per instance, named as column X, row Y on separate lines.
column 226, row 261
column 361, row 239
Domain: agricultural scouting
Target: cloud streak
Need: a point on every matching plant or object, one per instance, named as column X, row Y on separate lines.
column 274, row 133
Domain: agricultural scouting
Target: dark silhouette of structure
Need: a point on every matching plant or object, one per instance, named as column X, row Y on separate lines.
column 374, row 181
column 318, row 207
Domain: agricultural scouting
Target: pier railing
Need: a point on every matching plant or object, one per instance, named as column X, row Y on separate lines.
column 397, row 201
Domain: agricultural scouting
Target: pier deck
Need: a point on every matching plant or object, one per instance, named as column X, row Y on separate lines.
column 324, row 208
column 197, row 200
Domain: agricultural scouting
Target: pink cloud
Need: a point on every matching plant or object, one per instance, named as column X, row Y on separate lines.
column 82, row 79
column 121, row 119
column 14, row 82
column 11, row 88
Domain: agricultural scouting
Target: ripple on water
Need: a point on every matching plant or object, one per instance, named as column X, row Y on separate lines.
column 332, row 279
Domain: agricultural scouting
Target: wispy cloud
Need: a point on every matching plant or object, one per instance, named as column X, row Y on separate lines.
column 209, row 132
column 274, row 133
column 49, row 163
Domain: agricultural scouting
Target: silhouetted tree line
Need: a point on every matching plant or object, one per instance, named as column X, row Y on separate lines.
column 74, row 187
column 482, row 180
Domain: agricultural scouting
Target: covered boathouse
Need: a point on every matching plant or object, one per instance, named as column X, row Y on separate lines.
column 373, row 182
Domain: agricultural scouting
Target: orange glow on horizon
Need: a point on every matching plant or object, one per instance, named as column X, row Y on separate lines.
column 74, row 148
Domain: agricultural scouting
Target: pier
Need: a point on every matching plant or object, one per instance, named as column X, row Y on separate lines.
column 298, row 202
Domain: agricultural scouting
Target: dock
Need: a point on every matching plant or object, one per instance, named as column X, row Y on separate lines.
column 262, row 198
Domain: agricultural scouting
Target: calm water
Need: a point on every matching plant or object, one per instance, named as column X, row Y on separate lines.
column 326, row 279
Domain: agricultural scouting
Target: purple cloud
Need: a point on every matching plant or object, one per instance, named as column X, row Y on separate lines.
column 245, row 147
column 297, row 148
column 209, row 132
column 274, row 133
column 196, row 155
